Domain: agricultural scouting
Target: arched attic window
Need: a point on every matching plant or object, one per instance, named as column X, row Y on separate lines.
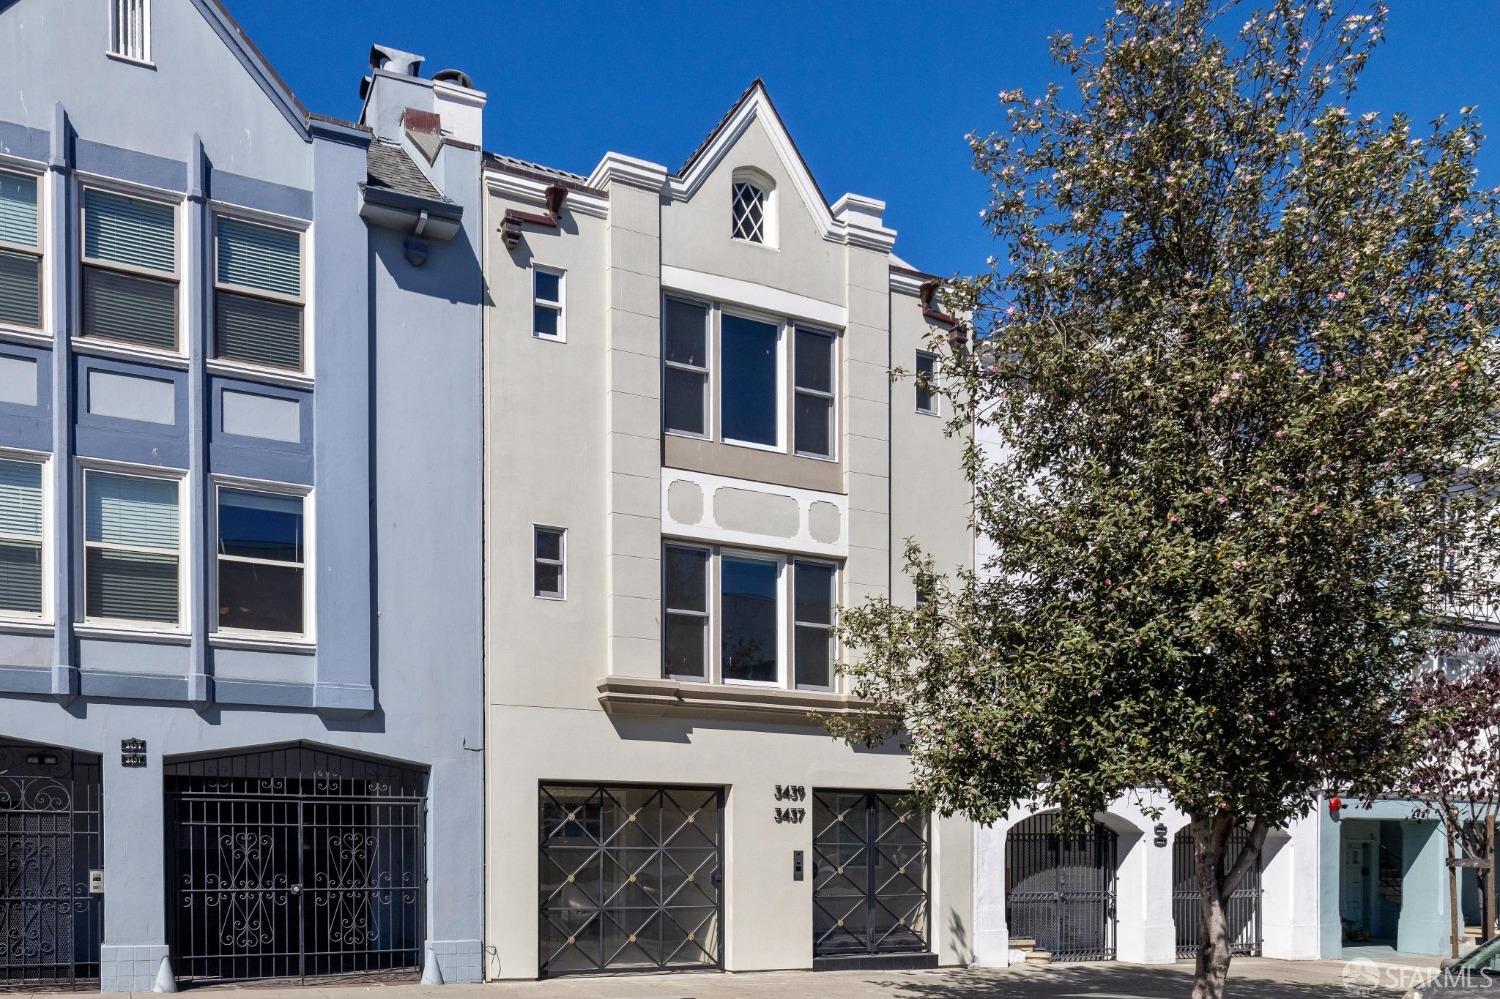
column 751, row 209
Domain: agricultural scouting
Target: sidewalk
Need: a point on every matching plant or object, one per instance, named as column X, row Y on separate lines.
column 1250, row 978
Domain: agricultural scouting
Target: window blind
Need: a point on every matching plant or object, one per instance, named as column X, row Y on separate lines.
column 258, row 256
column 134, row 586
column 17, row 209
column 125, row 230
column 130, row 308
column 21, row 514
column 257, row 330
column 126, row 510
column 20, row 288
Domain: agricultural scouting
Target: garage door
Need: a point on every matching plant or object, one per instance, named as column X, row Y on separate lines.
column 294, row 863
column 630, row 877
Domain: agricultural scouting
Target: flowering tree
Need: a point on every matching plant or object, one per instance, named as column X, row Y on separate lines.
column 1454, row 721
column 1238, row 352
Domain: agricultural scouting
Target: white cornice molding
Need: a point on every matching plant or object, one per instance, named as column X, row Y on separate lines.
column 628, row 170
column 701, row 284
column 863, row 220
column 909, row 284
column 533, row 191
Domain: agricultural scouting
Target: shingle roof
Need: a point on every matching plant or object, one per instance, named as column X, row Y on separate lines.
column 390, row 167
column 538, row 171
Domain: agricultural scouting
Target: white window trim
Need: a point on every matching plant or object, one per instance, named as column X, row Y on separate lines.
column 185, row 542
column 767, row 187
column 783, row 607
column 832, row 395
column 783, row 336
column 561, row 561
column 39, row 251
column 142, row 58
column 308, row 636
column 220, row 210
column 559, row 306
column 706, row 370
column 86, row 182
column 932, row 393
column 43, row 619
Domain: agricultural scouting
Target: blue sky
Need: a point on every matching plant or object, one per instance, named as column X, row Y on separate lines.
column 878, row 94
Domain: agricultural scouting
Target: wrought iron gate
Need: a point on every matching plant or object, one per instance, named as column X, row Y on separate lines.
column 294, row 862
column 1060, row 889
column 869, row 870
column 50, row 839
column 1243, row 912
column 630, row 877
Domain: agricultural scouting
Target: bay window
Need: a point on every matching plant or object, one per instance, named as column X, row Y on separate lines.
column 129, row 270
column 262, row 561
column 741, row 618
column 131, row 541
column 20, row 252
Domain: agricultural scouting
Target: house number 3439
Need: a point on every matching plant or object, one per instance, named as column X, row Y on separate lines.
column 790, row 792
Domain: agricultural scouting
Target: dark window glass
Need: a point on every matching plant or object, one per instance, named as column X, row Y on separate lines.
column 926, row 398
column 544, row 320
column 686, row 334
column 547, row 562
column 751, row 622
column 259, row 596
column 814, row 416
column 747, row 381
column 686, row 646
column 814, row 361
column 812, row 587
column 682, row 401
column 814, row 658
column 685, row 356
column 254, row 525
column 685, row 642
column 548, row 286
column 687, row 579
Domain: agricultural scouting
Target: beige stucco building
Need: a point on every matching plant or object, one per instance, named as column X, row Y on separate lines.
column 694, row 456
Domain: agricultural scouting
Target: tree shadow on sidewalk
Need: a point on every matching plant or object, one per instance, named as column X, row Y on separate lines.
column 1116, row 981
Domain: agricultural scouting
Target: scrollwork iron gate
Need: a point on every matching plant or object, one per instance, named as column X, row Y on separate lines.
column 1242, row 913
column 870, row 872
column 51, row 812
column 295, row 863
column 630, row 878
column 1060, row 889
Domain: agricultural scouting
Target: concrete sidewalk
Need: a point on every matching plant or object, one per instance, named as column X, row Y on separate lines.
column 1250, row 978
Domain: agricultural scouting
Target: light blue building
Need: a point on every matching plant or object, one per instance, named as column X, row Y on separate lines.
column 240, row 449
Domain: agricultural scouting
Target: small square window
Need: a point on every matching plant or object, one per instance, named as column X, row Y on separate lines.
column 927, row 400
column 546, row 304
column 549, row 560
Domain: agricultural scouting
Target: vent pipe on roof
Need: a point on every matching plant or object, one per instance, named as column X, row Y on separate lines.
column 394, row 60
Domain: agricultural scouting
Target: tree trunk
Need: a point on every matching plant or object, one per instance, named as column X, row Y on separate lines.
column 1212, row 968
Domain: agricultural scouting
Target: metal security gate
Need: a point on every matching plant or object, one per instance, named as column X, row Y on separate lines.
column 1243, row 912
column 51, row 837
column 1060, row 889
column 630, row 877
column 294, row 862
column 870, row 871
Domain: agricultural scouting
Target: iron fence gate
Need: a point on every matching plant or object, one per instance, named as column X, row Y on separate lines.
column 1242, row 913
column 50, row 839
column 1060, row 889
column 294, row 862
column 630, row 877
column 870, row 871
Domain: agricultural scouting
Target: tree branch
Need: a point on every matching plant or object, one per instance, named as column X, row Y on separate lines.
column 1249, row 855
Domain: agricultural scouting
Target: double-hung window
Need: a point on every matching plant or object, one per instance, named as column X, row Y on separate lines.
column 749, row 381
column 258, row 294
column 262, row 555
column 685, row 372
column 812, row 413
column 925, row 382
column 21, row 575
column 547, row 304
column 131, row 542
column 130, row 29
column 549, row 562
column 129, row 269
column 739, row 618
column 20, row 252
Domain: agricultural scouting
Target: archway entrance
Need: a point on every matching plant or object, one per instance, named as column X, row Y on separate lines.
column 1060, row 889
column 294, row 862
column 1243, row 912
column 51, row 838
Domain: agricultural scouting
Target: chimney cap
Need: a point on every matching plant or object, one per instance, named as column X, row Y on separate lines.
column 394, row 60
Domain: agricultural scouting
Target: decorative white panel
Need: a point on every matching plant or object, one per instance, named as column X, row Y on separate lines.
column 722, row 510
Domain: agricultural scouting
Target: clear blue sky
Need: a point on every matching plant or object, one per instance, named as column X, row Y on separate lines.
column 878, row 94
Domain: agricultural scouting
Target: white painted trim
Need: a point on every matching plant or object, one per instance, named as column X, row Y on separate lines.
column 733, row 291
column 560, row 306
column 533, row 191
column 906, row 284
column 561, row 561
column 255, row 372
column 707, row 531
column 627, row 170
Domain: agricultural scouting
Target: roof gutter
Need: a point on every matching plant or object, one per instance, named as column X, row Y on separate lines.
column 405, row 213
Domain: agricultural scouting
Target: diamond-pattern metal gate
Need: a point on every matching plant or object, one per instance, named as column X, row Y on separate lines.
column 293, row 862
column 1243, row 912
column 630, row 877
column 870, row 873
column 1060, row 889
column 50, row 838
